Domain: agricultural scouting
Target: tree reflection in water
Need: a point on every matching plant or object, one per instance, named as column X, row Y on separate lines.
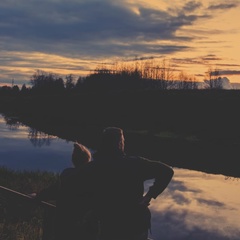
column 12, row 122
column 37, row 138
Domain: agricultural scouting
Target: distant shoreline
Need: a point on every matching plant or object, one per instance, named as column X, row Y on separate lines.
column 197, row 130
column 177, row 151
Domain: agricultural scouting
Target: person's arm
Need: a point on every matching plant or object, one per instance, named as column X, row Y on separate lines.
column 162, row 175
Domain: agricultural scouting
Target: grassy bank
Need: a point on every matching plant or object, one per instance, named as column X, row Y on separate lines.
column 17, row 223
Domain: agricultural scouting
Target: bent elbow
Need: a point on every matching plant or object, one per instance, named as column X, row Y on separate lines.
column 169, row 174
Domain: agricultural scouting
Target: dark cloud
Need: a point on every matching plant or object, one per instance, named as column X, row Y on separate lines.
column 211, row 58
column 210, row 202
column 199, row 75
column 181, row 186
column 180, row 199
column 90, row 28
column 140, row 58
column 188, row 60
column 230, row 72
column 192, row 6
column 228, row 65
column 223, row 6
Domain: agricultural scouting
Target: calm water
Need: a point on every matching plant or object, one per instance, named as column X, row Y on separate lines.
column 22, row 148
column 195, row 206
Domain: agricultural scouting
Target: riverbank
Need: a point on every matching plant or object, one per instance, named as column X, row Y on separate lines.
column 178, row 150
column 16, row 222
column 191, row 129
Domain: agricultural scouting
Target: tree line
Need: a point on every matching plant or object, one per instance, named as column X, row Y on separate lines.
column 143, row 76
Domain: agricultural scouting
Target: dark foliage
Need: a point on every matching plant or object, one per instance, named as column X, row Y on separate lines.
column 78, row 111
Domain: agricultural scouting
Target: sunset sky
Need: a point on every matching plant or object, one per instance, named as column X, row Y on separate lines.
column 75, row 36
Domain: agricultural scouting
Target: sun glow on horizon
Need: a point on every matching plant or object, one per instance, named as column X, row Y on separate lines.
column 196, row 35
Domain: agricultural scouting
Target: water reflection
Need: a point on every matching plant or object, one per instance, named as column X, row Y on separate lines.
column 23, row 148
column 39, row 139
column 12, row 122
column 197, row 206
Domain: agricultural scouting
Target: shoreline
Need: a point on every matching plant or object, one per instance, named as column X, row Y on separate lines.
column 216, row 157
column 197, row 130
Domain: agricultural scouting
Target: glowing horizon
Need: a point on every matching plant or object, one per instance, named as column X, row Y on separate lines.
column 76, row 37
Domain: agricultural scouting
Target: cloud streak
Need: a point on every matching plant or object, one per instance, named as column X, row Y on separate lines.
column 223, row 6
column 230, row 72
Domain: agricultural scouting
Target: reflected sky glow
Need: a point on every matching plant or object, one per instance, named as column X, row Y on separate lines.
column 21, row 149
column 197, row 206
column 20, row 132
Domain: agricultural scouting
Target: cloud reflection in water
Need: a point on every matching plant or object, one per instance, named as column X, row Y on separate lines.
column 197, row 206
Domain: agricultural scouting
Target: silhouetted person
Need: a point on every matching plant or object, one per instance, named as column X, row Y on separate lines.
column 71, row 204
column 117, row 181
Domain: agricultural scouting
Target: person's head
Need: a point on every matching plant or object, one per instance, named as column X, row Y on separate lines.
column 112, row 139
column 80, row 155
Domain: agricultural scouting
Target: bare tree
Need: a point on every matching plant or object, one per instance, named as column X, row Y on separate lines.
column 185, row 82
column 70, row 82
column 213, row 79
column 161, row 73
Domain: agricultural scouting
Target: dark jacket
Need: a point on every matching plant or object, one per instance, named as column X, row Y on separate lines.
column 117, row 182
column 72, row 204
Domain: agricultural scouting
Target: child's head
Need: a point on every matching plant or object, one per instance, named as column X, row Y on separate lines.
column 80, row 155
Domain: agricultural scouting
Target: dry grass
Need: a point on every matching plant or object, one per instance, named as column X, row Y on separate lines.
column 21, row 223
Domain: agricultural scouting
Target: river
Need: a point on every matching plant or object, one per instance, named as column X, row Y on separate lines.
column 23, row 148
column 195, row 206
